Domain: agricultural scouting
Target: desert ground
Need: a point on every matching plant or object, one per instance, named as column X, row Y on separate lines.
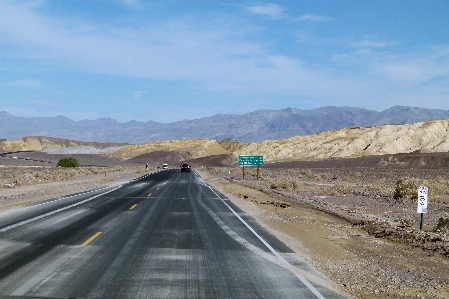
column 339, row 214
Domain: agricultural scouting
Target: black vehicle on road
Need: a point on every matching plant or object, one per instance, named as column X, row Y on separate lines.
column 185, row 167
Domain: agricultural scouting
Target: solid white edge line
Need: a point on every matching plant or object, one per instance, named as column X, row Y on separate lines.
column 303, row 280
column 4, row 229
column 63, row 197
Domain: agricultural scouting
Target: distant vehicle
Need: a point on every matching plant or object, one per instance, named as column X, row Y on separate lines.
column 165, row 166
column 185, row 167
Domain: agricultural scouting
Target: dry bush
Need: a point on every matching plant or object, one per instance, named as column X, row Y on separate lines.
column 285, row 183
column 408, row 221
column 341, row 187
column 321, row 176
column 266, row 174
column 236, row 172
column 218, row 170
column 443, row 224
column 408, row 188
column 307, row 172
column 357, row 175
column 381, row 187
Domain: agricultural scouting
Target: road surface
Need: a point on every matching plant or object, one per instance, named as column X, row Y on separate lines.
column 164, row 235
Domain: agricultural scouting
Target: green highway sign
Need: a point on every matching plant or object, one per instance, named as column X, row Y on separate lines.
column 245, row 160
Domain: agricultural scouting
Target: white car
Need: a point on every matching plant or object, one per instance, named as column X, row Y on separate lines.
column 164, row 166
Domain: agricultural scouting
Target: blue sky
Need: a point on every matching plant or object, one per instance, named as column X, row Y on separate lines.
column 172, row 60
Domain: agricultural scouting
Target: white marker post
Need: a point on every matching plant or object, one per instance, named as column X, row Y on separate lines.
column 422, row 203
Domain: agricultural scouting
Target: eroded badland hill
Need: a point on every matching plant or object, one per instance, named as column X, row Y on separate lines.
column 428, row 137
column 425, row 137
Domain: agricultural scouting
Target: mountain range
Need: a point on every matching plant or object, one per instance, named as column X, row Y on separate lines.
column 250, row 127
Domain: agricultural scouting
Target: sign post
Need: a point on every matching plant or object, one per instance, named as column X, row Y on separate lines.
column 422, row 203
column 246, row 160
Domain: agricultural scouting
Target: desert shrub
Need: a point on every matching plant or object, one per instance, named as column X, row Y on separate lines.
column 380, row 187
column 68, row 162
column 341, row 187
column 66, row 174
column 357, row 175
column 321, row 176
column 408, row 221
column 408, row 188
column 95, row 170
column 285, row 183
column 306, row 172
column 266, row 174
column 443, row 224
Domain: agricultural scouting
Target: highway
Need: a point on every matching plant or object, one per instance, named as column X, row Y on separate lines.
column 164, row 235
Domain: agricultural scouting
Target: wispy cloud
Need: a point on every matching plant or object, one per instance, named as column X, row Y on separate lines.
column 314, row 18
column 130, row 2
column 138, row 94
column 431, row 64
column 272, row 10
column 372, row 43
column 26, row 83
column 417, row 77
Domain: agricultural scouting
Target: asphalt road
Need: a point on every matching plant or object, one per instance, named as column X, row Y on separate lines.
column 164, row 235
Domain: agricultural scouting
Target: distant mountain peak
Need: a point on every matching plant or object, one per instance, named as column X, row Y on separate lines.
column 254, row 126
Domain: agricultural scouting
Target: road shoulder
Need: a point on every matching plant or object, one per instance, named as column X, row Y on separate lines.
column 361, row 265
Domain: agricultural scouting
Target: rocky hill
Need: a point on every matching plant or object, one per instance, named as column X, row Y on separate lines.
column 427, row 137
column 422, row 137
column 187, row 148
column 250, row 127
column 57, row 145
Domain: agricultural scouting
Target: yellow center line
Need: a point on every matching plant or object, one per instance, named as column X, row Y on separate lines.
column 91, row 239
column 133, row 206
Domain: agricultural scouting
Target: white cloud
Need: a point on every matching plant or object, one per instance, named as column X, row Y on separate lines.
column 314, row 18
column 368, row 43
column 269, row 9
column 130, row 2
column 418, row 77
column 138, row 94
column 417, row 67
column 26, row 83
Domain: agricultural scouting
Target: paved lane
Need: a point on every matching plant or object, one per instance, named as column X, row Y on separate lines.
column 165, row 235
